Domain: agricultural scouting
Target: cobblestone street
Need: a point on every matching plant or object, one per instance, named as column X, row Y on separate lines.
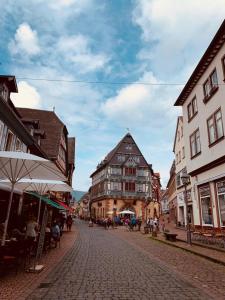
column 107, row 265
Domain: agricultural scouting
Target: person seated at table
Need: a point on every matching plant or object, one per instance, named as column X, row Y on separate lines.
column 17, row 234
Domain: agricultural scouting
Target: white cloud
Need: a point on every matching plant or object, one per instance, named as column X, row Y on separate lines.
column 77, row 5
column 27, row 96
column 138, row 105
column 25, row 41
column 76, row 49
column 175, row 32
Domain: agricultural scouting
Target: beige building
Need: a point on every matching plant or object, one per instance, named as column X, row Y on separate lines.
column 172, row 195
column 203, row 104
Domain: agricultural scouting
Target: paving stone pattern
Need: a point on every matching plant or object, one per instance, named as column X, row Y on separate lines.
column 101, row 265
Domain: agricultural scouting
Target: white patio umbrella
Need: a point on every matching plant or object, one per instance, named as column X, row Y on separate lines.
column 127, row 212
column 16, row 166
column 41, row 187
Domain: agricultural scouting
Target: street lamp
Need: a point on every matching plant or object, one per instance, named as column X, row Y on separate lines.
column 185, row 180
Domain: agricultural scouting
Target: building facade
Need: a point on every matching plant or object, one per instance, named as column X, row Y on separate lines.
column 202, row 101
column 123, row 180
column 180, row 170
column 172, row 195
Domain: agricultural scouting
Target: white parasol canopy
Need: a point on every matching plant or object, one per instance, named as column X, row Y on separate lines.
column 127, row 212
column 15, row 166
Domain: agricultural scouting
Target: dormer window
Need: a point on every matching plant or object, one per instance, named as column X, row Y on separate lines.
column 4, row 91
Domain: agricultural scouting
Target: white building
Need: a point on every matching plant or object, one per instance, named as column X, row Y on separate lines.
column 203, row 104
column 181, row 169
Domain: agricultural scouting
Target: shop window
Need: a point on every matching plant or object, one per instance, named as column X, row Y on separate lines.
column 206, row 206
column 220, row 186
column 115, row 201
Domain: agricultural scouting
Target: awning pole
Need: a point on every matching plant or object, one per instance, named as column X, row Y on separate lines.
column 8, row 214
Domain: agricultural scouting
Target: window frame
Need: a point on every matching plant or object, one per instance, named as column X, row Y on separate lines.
column 213, row 117
column 190, row 108
column 195, row 134
column 223, row 66
column 217, row 195
column 210, row 204
column 213, row 88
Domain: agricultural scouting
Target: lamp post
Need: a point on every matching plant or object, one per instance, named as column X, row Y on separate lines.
column 185, row 180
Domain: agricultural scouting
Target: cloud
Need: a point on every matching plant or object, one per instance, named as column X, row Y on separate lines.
column 27, row 96
column 139, row 105
column 76, row 49
column 174, row 32
column 25, row 41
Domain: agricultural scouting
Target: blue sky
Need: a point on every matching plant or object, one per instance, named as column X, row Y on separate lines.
column 152, row 41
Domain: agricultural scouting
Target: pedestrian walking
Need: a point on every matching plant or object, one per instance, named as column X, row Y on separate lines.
column 69, row 222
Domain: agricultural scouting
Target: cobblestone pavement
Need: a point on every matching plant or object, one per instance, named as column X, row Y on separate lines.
column 19, row 286
column 102, row 265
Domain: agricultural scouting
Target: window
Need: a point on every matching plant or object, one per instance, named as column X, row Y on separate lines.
column 130, row 171
column 223, row 66
column 18, row 145
column 177, row 158
column 3, row 91
column 178, row 134
column 215, row 127
column 183, row 153
column 179, row 155
column 9, row 140
column 140, row 187
column 181, row 130
column 206, row 208
column 121, row 158
column 130, row 186
column 128, row 147
column 220, row 187
column 115, row 171
column 142, row 172
column 178, row 180
column 192, row 109
column 115, row 186
column 210, row 85
column 195, row 143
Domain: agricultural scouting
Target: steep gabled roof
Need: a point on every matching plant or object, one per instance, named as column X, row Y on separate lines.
column 119, row 149
column 52, row 126
column 180, row 118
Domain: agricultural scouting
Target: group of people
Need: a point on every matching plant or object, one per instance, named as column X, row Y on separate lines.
column 153, row 224
column 29, row 231
column 130, row 223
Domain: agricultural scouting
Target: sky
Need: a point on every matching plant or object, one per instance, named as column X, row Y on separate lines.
column 106, row 66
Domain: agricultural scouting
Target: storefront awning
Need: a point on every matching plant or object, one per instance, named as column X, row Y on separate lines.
column 46, row 200
column 64, row 205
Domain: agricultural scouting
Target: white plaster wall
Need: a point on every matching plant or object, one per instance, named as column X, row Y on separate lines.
column 204, row 111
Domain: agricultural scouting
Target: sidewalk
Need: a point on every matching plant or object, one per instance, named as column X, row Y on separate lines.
column 19, row 286
column 206, row 251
